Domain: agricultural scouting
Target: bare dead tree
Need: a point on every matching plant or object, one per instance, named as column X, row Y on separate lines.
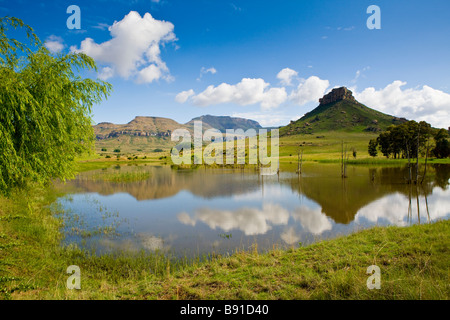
column 299, row 160
column 426, row 158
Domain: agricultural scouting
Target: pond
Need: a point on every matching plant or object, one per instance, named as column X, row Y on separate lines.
column 196, row 212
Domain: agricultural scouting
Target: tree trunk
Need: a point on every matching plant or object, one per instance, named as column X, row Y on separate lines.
column 301, row 161
column 409, row 163
column 342, row 159
column 426, row 158
column 417, row 156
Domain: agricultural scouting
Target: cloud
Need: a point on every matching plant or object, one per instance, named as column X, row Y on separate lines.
column 184, row 218
column 151, row 242
column 286, row 76
column 101, row 26
column 252, row 91
column 183, row 96
column 394, row 208
column 359, row 73
column 106, row 73
column 312, row 220
column 309, row 90
column 134, row 48
column 426, row 103
column 203, row 71
column 289, row 236
column 149, row 74
column 346, row 28
column 251, row 221
column 54, row 44
column 246, row 92
column 267, row 119
column 210, row 70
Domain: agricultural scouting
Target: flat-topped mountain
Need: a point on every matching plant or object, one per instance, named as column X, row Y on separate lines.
column 139, row 126
column 163, row 127
column 339, row 110
column 224, row 122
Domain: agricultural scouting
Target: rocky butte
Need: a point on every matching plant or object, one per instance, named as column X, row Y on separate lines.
column 339, row 110
column 337, row 94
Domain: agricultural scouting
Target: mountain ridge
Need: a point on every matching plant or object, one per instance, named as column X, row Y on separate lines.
column 150, row 126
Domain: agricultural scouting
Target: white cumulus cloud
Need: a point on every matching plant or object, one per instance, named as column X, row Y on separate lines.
column 311, row 89
column 286, row 75
column 268, row 118
column 426, row 103
column 312, row 220
column 211, row 70
column 183, row 96
column 251, row 221
column 54, row 44
column 246, row 92
column 134, row 48
column 106, row 73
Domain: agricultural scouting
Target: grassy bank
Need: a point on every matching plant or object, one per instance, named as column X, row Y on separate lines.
column 414, row 264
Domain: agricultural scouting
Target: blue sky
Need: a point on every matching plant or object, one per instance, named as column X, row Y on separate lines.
column 265, row 60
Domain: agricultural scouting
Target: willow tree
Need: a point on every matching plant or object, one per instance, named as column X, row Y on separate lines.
column 45, row 109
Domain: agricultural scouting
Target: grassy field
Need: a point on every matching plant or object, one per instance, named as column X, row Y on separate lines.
column 413, row 261
column 323, row 147
column 316, row 147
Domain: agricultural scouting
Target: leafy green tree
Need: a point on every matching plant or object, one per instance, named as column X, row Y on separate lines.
column 373, row 144
column 384, row 140
column 442, row 149
column 45, row 109
column 404, row 140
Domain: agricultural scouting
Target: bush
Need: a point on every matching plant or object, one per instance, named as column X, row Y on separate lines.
column 117, row 150
column 158, row 150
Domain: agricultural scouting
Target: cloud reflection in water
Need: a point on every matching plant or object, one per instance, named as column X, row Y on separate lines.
column 254, row 221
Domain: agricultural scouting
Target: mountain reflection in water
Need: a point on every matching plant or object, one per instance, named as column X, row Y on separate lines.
column 220, row 210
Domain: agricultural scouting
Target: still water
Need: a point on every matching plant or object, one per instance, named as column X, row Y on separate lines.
column 197, row 212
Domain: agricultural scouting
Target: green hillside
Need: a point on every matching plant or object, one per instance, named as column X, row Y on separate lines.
column 345, row 114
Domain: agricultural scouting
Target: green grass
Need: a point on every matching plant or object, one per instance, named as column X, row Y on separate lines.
column 133, row 145
column 414, row 264
column 122, row 176
column 322, row 147
column 326, row 147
